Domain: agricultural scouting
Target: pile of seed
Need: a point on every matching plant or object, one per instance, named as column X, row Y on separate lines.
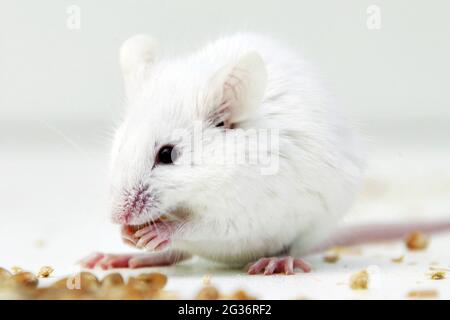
column 19, row 284
column 84, row 285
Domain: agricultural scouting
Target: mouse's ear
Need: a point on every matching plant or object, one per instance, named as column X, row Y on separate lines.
column 136, row 56
column 240, row 87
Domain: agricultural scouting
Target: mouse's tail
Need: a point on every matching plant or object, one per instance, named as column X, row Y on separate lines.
column 362, row 234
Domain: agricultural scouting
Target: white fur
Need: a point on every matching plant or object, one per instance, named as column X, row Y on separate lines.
column 238, row 214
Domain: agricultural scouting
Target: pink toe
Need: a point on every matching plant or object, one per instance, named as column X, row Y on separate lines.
column 110, row 262
column 121, row 262
column 92, row 260
column 288, row 265
column 144, row 231
column 300, row 263
column 252, row 270
column 154, row 243
column 162, row 245
column 144, row 240
column 258, row 266
column 270, row 269
column 274, row 265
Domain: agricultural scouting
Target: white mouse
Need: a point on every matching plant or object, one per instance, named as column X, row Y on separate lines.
column 175, row 198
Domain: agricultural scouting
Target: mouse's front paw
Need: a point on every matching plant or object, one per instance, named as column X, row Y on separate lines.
column 153, row 237
column 106, row 261
column 133, row 260
column 273, row 265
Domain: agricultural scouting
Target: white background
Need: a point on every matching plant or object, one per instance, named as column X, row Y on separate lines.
column 60, row 95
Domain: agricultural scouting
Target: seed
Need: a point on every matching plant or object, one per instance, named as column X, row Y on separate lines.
column 360, row 280
column 155, row 281
column 423, row 294
column 23, row 279
column 438, row 275
column 45, row 272
column 241, row 295
column 331, row 257
column 416, row 241
column 4, row 275
column 16, row 270
column 398, row 259
column 112, row 280
column 144, row 286
column 207, row 293
column 87, row 281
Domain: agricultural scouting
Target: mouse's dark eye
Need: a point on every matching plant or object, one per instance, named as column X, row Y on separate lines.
column 220, row 124
column 166, row 155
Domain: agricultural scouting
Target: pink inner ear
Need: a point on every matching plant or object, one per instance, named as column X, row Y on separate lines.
column 238, row 89
column 222, row 113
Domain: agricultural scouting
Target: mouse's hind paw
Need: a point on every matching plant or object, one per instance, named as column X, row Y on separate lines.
column 273, row 265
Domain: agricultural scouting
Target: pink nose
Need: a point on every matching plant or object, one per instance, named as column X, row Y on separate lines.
column 132, row 206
